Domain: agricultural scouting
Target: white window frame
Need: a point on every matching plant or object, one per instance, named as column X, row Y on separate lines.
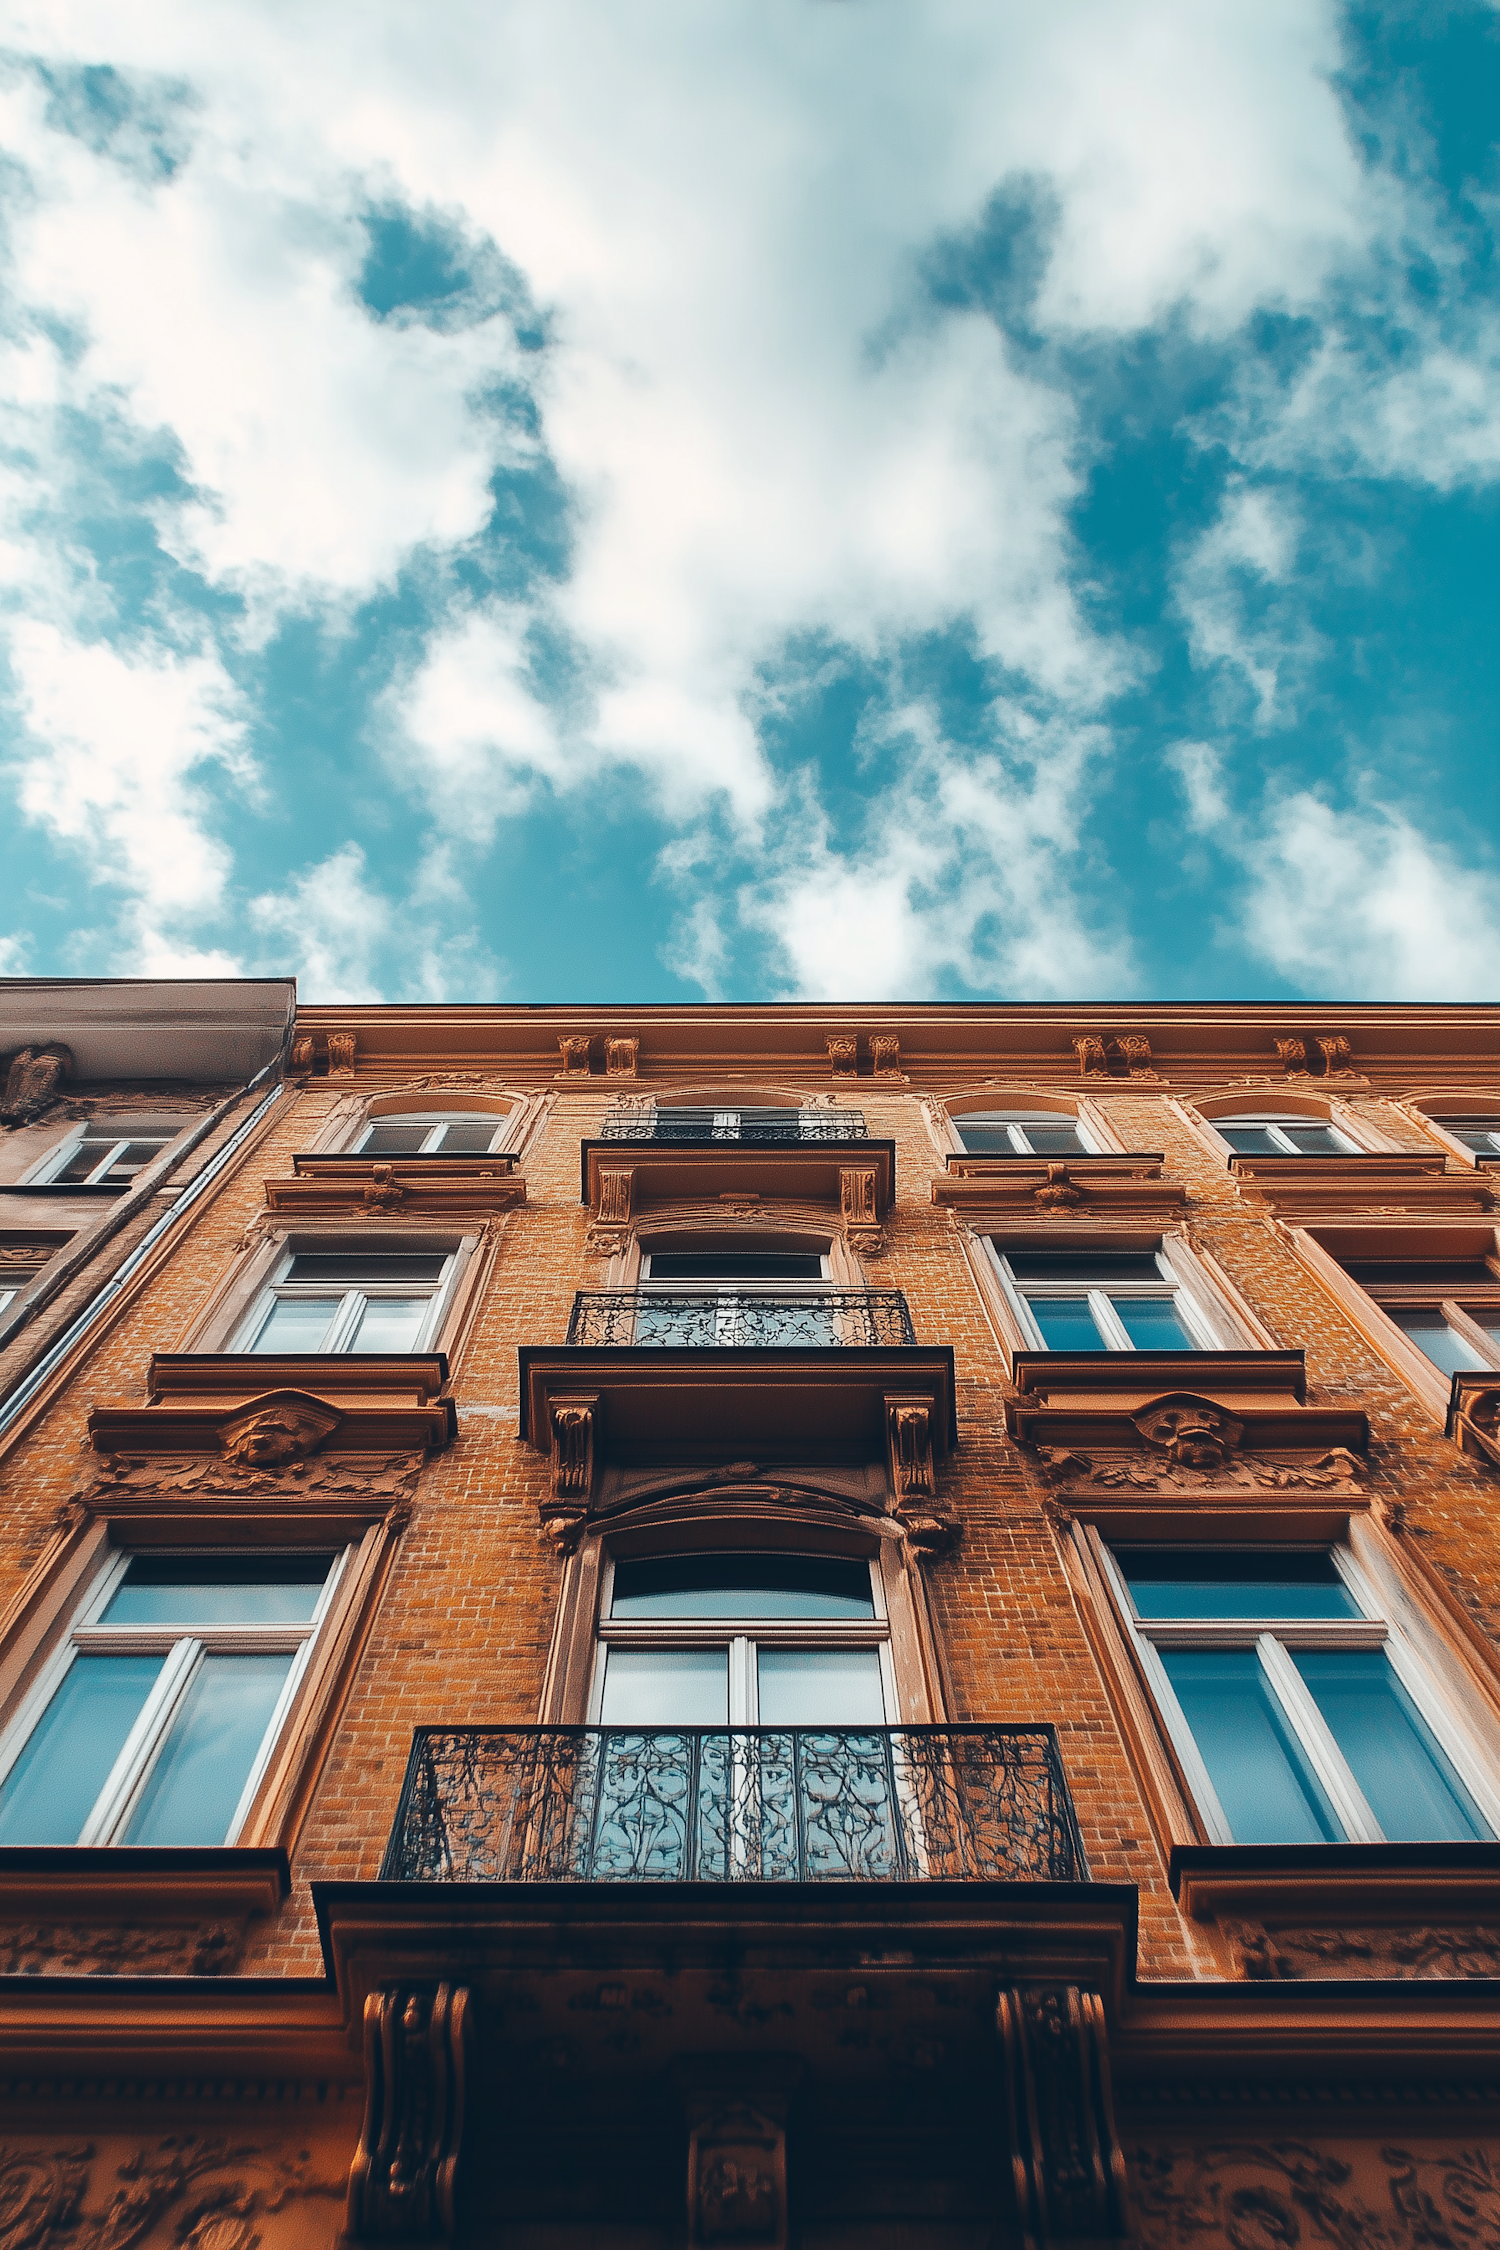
column 438, row 1122
column 743, row 1638
column 352, row 1299
column 1272, row 1121
column 1015, row 1122
column 1114, row 1335
column 1272, row 1638
column 184, row 1653
column 1464, row 1122
column 59, row 1157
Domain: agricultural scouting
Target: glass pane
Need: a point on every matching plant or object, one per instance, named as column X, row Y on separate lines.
column 1442, row 1344
column 985, row 1140
column 390, row 1324
column 1066, row 1324
column 1154, row 1324
column 359, row 1269
column 1248, row 1140
column 395, row 1136
column 1054, row 1140
column 666, row 1687
column 469, row 1136
column 218, row 1590
column 1315, row 1140
column 690, row 1325
column 1408, row 1783
column 297, row 1324
column 87, row 1157
column 133, row 1158
column 202, row 1767
column 1482, row 1134
column 1450, row 1277
column 742, row 1586
column 1234, row 1582
column 52, row 1787
column 732, row 1265
column 821, row 1687
column 1258, row 1768
column 1098, row 1270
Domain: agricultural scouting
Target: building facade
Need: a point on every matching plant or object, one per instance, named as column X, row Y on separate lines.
column 783, row 1625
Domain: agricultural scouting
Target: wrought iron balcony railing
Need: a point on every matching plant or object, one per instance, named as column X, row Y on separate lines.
column 765, row 1128
column 740, row 1804
column 759, row 1318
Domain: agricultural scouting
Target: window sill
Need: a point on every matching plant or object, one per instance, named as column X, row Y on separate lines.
column 990, row 1190
column 1304, row 1188
column 418, row 1187
column 380, row 1401
column 67, row 1910
column 641, row 1173
column 1288, row 1913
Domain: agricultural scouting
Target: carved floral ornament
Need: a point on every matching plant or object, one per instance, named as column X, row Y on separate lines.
column 1198, row 1444
column 213, row 2189
column 1242, row 2194
column 1095, row 1054
column 34, row 1081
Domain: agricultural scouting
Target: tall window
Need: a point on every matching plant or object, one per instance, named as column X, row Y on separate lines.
column 1021, row 1132
column 106, row 1153
column 154, row 1723
column 1300, row 1715
column 350, row 1301
column 723, row 1297
column 1102, row 1301
column 1481, row 1134
column 1449, row 1307
column 1268, row 1134
column 435, row 1133
column 715, row 1640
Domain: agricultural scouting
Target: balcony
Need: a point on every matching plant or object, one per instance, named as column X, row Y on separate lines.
column 764, row 1128
column 723, row 1805
column 698, row 1319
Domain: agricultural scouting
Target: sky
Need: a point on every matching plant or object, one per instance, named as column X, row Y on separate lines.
column 651, row 500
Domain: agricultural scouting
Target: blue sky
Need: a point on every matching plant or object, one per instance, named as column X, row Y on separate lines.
column 801, row 498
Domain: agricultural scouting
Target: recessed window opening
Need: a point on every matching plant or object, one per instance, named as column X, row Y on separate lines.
column 1101, row 1301
column 433, row 1133
column 153, row 1724
column 1299, row 1713
column 714, row 1640
column 1022, row 1132
column 1449, row 1307
column 1480, row 1133
column 1270, row 1134
column 107, row 1153
column 350, row 1301
column 714, row 1268
column 732, row 1297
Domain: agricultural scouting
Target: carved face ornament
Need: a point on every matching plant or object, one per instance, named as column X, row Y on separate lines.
column 1191, row 1432
column 276, row 1434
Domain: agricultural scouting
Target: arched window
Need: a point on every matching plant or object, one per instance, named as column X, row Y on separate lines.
column 436, row 1132
column 1022, row 1132
column 713, row 1639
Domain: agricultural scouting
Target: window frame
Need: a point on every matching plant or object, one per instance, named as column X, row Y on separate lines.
column 1197, row 1316
column 1274, row 1122
column 353, row 1297
column 1272, row 1638
column 1328, row 1253
column 1015, row 1122
column 438, row 1121
column 743, row 1644
column 82, row 1634
column 45, row 1172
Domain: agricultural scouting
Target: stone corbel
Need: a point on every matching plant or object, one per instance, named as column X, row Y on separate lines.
column 885, row 1055
column 574, row 1426
column 574, row 1050
column 1338, row 1056
column 621, row 1057
column 404, row 2176
column 857, row 1205
column 843, row 1057
column 1090, row 1053
column 928, row 1522
column 1137, row 1053
column 737, row 2177
column 1293, row 1053
column 300, row 1060
column 34, row 1082
column 1475, row 1419
column 1067, row 2167
column 341, row 1046
column 609, row 1228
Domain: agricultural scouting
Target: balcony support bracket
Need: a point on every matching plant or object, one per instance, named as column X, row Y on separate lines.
column 1067, row 2167
column 404, row 2175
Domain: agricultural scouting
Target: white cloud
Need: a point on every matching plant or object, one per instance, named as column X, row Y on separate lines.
column 1199, row 767
column 111, row 761
column 344, row 938
column 1237, row 592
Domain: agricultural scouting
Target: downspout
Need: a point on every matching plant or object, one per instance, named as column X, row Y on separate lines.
column 27, row 1385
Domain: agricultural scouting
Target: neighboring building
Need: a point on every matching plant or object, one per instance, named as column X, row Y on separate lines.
column 749, row 1626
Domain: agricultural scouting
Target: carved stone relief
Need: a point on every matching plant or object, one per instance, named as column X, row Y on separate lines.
column 1265, row 1956
column 300, row 1059
column 404, row 2176
column 278, row 1432
column 621, row 1057
column 33, row 1082
column 843, row 1057
column 1293, row 1053
column 737, row 2176
column 35, row 1949
column 212, row 2189
column 885, row 1054
column 367, row 1476
column 857, row 1205
column 1090, row 1053
column 1248, row 2195
column 341, row 1046
column 1067, row 2167
column 1137, row 1053
column 1335, row 1471
column 575, row 1056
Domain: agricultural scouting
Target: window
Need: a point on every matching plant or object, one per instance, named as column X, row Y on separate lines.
column 1300, row 1716
column 715, row 1640
column 107, row 1152
column 350, row 1301
column 435, row 1133
column 725, row 1297
column 1021, row 1132
column 1102, row 1301
column 1272, row 1135
column 1481, row 1134
column 1450, row 1308
column 154, row 1723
